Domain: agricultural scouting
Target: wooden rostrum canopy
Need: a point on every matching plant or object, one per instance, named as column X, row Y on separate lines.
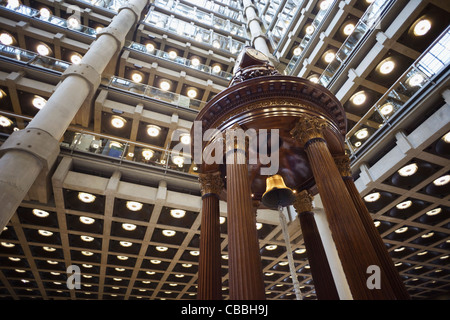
column 312, row 125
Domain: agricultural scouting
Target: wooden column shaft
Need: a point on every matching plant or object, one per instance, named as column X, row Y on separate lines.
column 352, row 243
column 387, row 265
column 245, row 268
column 209, row 273
column 320, row 268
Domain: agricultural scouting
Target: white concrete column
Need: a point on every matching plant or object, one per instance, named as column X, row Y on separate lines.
column 334, row 261
column 26, row 152
column 258, row 37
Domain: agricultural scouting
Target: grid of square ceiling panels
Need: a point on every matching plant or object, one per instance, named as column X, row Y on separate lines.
column 136, row 253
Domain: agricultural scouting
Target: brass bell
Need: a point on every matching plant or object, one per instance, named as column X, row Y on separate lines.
column 277, row 193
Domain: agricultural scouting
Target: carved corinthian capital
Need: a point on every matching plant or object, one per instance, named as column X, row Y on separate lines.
column 308, row 127
column 343, row 165
column 210, row 183
column 303, row 202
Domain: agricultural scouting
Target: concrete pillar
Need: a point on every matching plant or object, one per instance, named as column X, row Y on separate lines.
column 26, row 152
column 258, row 38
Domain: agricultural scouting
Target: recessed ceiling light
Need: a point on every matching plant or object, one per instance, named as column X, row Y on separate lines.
column 446, row 137
column 422, row 253
column 119, row 269
column 15, row 259
column 427, row 235
column 150, row 272
column 314, row 79
column 362, row 134
column 415, row 80
column 300, row 251
column 177, row 213
column 40, row 213
column 45, row 233
column 194, row 252
column 422, row 27
column 172, row 54
column 434, row 212
column 87, row 238
column 216, row 68
column 225, row 257
column 87, row 253
column 49, row 249
column 43, row 49
column 123, row 258
column 178, row 160
column 86, row 197
column 5, row 122
column 185, row 138
column 329, row 56
column 271, row 247
column 73, row 22
column 195, row 61
column 153, row 131
column 259, row 226
column 404, row 205
column 155, row 261
column 192, row 93
column 126, row 244
column 6, row 39
column 179, row 275
column 186, row 265
column 297, row 51
column 386, row 109
column 20, row 270
column 165, row 85
column 161, row 248
column 150, row 47
column 309, row 29
column 359, row 98
column 386, row 67
column 8, row 244
column 137, row 77
column 128, row 226
column 441, row 181
column 87, row 220
column 408, row 170
column 52, row 262
column 399, row 249
column 324, row 5
column 147, row 154
column 372, row 197
column 38, row 102
column 377, row 223
column 222, row 220
column 401, row 230
column 75, row 58
column 118, row 122
column 348, row 29
column 168, row 233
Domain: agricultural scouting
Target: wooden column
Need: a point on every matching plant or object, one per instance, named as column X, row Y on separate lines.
column 244, row 263
column 387, row 266
column 320, row 268
column 352, row 243
column 209, row 271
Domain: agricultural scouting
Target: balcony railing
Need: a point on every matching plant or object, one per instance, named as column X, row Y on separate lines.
column 435, row 59
column 179, row 60
column 72, row 23
column 367, row 23
column 110, row 147
column 191, row 31
column 145, row 91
